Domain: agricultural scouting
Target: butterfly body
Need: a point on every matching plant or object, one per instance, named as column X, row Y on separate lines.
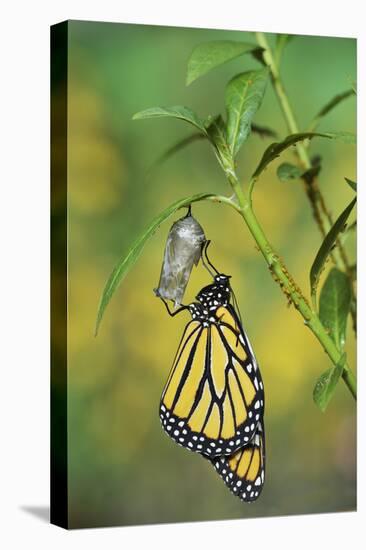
column 214, row 398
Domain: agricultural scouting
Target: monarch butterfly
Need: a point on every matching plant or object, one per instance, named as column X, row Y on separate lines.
column 214, row 398
column 243, row 472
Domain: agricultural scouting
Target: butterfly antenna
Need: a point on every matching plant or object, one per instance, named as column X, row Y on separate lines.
column 236, row 307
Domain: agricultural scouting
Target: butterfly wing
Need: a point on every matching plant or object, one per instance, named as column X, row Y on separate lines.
column 249, row 395
column 243, row 472
column 213, row 398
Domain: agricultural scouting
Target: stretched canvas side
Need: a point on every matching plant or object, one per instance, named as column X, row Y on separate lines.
column 59, row 447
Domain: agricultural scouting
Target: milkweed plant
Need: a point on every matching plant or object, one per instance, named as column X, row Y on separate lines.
column 327, row 310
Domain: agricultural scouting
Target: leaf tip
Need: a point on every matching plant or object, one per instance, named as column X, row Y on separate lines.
column 97, row 322
column 189, row 79
column 352, row 184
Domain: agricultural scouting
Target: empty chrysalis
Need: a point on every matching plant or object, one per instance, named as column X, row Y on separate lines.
column 183, row 249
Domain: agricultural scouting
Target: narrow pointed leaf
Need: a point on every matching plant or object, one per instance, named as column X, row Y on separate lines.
column 327, row 383
column 175, row 149
column 263, row 131
column 243, row 97
column 352, row 184
column 326, row 248
column 330, row 106
column 345, row 137
column 177, row 111
column 275, row 149
column 334, row 305
column 287, row 172
column 127, row 261
column 209, row 55
column 334, row 102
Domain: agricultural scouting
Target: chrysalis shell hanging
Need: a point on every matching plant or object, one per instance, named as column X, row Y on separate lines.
column 183, row 249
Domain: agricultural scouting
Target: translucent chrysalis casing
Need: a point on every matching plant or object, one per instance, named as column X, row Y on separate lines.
column 183, row 249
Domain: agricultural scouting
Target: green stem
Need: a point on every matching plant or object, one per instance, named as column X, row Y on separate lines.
column 281, row 275
column 321, row 213
column 282, row 97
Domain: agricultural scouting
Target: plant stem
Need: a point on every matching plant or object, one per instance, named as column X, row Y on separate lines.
column 288, row 286
column 282, row 97
column 320, row 211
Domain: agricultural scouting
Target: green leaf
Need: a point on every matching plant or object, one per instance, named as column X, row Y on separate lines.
column 334, row 305
column 334, row 102
column 275, row 149
column 243, row 97
column 330, row 106
column 263, row 131
column 175, row 149
column 352, row 184
column 178, row 111
column 287, row 172
column 345, row 137
column 326, row 248
column 327, row 383
column 217, row 135
column 209, row 55
column 129, row 259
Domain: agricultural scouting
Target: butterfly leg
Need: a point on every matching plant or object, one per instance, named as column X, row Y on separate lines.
column 172, row 314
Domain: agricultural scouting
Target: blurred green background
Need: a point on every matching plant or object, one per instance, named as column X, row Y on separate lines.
column 122, row 468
